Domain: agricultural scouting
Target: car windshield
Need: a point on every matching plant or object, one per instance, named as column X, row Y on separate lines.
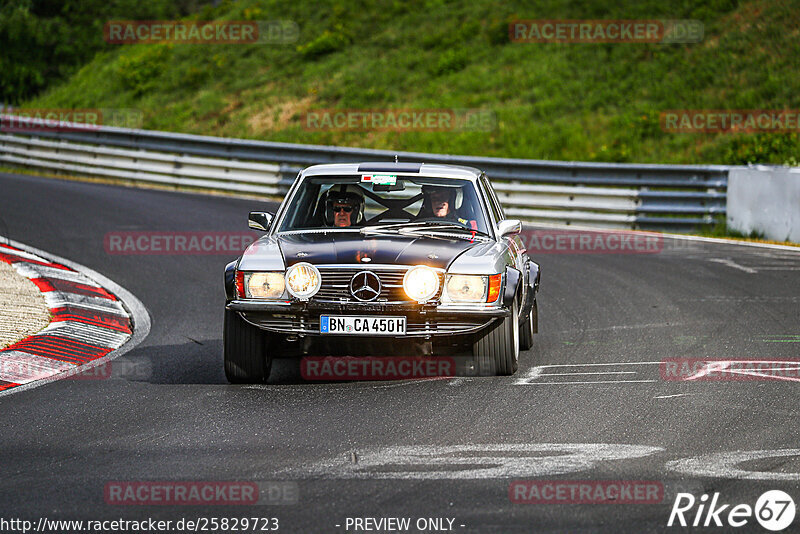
column 390, row 203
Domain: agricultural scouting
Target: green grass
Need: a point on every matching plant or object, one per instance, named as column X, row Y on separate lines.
column 595, row 102
column 720, row 229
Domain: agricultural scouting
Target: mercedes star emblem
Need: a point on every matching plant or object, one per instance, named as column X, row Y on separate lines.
column 365, row 286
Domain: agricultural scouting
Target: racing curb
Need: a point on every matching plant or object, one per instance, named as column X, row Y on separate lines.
column 93, row 321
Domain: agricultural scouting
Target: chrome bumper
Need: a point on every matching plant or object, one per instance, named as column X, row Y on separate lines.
column 421, row 320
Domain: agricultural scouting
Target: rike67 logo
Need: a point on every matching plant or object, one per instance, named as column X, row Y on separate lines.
column 774, row 510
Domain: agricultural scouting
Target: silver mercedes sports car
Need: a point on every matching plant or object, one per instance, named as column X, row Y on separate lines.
column 376, row 257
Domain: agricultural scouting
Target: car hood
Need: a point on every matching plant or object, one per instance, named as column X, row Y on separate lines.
column 346, row 248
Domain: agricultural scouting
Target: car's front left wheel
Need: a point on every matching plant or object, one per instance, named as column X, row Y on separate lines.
column 244, row 346
column 497, row 352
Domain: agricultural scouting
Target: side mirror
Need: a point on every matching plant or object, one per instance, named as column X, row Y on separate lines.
column 260, row 220
column 509, row 227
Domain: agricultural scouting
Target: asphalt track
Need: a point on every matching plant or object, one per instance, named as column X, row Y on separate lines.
column 61, row 443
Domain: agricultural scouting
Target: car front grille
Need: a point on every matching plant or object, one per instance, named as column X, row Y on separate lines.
column 336, row 284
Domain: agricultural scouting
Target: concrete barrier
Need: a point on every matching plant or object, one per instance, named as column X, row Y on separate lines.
column 766, row 200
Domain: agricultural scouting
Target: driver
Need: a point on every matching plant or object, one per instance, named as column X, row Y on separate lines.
column 343, row 208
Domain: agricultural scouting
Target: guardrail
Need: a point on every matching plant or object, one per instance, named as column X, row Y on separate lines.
column 646, row 196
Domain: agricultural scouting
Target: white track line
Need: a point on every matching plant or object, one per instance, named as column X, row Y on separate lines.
column 588, row 382
column 597, row 364
column 534, row 373
column 731, row 263
column 592, row 373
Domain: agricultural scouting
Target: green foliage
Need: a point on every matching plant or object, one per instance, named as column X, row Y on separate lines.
column 758, row 148
column 328, row 41
column 450, row 61
column 26, row 44
column 598, row 102
column 141, row 70
column 497, row 30
column 45, row 41
column 720, row 229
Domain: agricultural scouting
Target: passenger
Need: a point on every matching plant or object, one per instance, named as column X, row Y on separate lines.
column 439, row 202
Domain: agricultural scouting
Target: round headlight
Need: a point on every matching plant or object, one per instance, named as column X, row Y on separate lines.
column 303, row 280
column 265, row 285
column 421, row 283
column 466, row 288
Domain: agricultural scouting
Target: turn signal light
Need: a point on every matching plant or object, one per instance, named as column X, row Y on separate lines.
column 495, row 281
column 240, row 284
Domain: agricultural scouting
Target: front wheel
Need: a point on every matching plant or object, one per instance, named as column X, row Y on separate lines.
column 528, row 328
column 497, row 352
column 244, row 346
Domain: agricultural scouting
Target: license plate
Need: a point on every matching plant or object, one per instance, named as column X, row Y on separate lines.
column 358, row 325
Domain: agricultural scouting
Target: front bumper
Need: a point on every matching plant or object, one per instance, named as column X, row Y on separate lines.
column 426, row 321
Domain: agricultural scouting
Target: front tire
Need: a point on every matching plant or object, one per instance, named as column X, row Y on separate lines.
column 497, row 352
column 244, row 346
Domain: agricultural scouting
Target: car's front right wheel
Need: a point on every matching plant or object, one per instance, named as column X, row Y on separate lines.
column 528, row 328
column 244, row 347
column 497, row 351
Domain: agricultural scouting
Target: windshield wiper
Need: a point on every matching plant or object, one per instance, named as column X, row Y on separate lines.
column 429, row 228
column 434, row 227
column 446, row 232
column 390, row 227
column 448, row 226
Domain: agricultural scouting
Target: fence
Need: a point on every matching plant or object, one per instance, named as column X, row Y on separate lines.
column 646, row 196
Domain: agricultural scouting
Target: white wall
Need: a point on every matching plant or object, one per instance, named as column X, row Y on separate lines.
column 765, row 199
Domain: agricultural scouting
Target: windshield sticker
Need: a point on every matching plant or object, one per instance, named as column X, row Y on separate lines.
column 380, row 179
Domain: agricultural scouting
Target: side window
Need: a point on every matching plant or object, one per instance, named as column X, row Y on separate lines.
column 497, row 212
column 494, row 196
column 305, row 202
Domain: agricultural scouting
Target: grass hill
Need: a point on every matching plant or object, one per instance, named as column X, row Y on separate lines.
column 595, row 102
